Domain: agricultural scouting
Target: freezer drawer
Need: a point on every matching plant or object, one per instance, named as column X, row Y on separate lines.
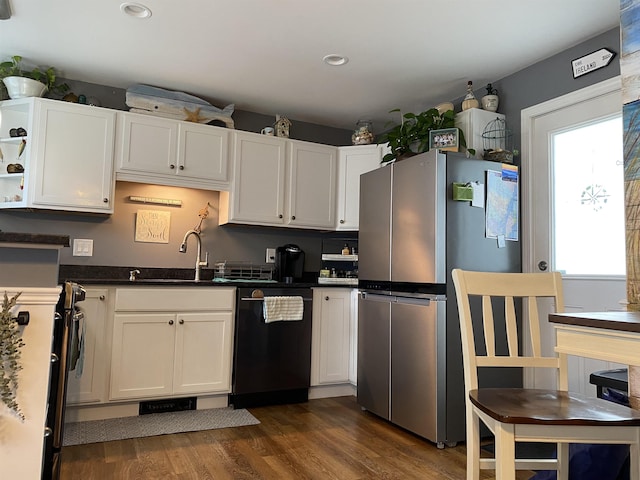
column 401, row 374
column 414, row 362
column 374, row 316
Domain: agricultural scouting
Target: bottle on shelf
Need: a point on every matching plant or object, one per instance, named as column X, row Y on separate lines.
column 470, row 100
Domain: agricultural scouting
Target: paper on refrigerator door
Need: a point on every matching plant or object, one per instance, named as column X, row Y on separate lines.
column 478, row 194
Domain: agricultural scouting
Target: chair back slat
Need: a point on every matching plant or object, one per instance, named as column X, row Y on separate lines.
column 509, row 289
column 511, row 326
column 487, row 324
column 534, row 326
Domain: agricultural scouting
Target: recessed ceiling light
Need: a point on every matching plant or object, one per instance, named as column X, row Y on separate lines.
column 135, row 10
column 335, row 60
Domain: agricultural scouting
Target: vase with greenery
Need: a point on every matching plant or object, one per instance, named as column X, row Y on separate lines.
column 411, row 135
column 47, row 76
column 10, row 349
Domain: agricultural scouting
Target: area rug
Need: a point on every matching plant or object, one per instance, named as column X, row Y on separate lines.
column 93, row 431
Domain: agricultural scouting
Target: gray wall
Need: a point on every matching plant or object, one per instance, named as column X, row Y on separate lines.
column 550, row 78
column 114, row 235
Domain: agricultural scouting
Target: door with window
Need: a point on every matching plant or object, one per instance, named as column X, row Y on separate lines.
column 573, row 201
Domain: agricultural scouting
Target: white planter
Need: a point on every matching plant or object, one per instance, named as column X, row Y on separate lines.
column 490, row 102
column 21, row 87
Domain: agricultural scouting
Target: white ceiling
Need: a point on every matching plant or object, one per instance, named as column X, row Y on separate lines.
column 266, row 55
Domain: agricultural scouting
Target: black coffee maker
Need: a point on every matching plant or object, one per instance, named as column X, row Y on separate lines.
column 289, row 263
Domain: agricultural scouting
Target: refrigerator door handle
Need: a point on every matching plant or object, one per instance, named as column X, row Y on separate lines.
column 376, row 297
column 413, row 301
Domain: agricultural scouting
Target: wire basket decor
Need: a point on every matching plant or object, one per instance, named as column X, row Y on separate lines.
column 497, row 141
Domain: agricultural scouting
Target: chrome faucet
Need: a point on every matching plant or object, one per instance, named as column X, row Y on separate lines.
column 133, row 275
column 199, row 262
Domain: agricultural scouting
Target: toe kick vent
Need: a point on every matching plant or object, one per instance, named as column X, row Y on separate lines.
column 167, row 405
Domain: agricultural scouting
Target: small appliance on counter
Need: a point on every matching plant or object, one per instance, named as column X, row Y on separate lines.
column 289, row 263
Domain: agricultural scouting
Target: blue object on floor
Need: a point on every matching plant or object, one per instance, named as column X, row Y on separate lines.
column 594, row 462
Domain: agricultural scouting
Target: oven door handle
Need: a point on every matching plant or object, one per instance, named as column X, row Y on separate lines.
column 251, row 299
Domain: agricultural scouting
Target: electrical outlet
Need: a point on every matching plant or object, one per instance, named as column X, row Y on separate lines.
column 82, row 247
column 270, row 255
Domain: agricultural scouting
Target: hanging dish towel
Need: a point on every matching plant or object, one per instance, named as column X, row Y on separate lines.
column 282, row 309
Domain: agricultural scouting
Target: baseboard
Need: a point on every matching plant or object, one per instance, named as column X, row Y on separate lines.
column 84, row 413
column 328, row 391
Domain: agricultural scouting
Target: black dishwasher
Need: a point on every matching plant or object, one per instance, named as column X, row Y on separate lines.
column 271, row 361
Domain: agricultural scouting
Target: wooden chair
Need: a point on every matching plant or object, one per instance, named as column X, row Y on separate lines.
column 521, row 414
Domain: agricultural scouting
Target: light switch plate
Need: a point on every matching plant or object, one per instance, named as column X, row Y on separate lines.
column 82, row 247
column 270, row 255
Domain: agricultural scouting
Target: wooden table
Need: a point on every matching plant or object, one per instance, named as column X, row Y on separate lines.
column 609, row 336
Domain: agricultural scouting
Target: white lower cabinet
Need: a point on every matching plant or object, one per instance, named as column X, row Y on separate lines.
column 331, row 340
column 171, row 342
column 87, row 381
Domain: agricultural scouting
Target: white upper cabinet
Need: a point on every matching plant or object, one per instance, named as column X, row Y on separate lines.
column 312, row 185
column 68, row 159
column 352, row 162
column 258, row 192
column 280, row 182
column 72, row 156
column 169, row 152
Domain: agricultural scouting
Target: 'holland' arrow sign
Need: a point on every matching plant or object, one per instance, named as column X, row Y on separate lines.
column 591, row 62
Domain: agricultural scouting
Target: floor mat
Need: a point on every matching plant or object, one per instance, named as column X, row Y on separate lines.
column 93, row 431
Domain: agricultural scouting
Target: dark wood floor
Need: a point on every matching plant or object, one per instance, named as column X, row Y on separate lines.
column 321, row 439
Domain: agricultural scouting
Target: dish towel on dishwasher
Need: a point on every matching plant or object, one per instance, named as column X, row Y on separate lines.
column 282, row 308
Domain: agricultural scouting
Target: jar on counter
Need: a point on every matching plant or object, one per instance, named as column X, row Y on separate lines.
column 362, row 135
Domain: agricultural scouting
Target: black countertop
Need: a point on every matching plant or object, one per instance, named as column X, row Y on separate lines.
column 119, row 276
column 34, row 238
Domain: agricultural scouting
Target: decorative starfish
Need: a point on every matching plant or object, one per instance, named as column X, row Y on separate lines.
column 193, row 116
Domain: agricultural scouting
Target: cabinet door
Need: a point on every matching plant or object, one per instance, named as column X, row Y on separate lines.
column 73, row 160
column 142, row 355
column 202, row 152
column 331, row 336
column 87, row 377
column 312, row 185
column 147, row 144
column 353, row 347
column 353, row 162
column 258, row 191
column 203, row 353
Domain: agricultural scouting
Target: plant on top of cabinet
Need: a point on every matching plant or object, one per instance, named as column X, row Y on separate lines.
column 411, row 136
column 10, row 346
column 13, row 75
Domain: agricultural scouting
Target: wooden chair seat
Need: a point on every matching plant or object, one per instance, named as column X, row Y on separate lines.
column 551, row 407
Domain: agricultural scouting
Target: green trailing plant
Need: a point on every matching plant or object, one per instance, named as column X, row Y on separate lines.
column 10, row 349
column 48, row 76
column 411, row 135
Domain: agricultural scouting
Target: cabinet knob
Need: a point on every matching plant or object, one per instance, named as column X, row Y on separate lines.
column 293, row 217
column 170, row 322
column 172, row 167
column 327, row 297
column 181, row 322
column 181, row 167
column 341, row 221
column 280, row 216
column 105, row 200
column 101, row 297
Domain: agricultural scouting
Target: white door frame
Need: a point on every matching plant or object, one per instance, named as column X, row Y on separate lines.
column 527, row 120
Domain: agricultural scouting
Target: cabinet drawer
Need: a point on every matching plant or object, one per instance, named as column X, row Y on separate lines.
column 174, row 299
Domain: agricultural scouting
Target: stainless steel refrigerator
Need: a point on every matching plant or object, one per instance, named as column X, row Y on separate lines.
column 412, row 234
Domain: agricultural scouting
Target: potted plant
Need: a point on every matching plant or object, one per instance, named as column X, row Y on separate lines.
column 411, row 136
column 20, row 82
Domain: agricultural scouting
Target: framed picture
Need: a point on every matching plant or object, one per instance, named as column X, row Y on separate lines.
column 446, row 139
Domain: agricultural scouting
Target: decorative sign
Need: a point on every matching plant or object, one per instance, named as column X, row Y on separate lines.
column 152, row 226
column 591, row 62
